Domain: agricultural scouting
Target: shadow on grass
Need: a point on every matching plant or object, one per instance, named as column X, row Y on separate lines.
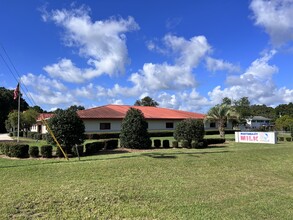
column 125, row 154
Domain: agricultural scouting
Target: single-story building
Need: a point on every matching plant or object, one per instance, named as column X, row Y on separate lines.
column 39, row 126
column 109, row 118
column 256, row 122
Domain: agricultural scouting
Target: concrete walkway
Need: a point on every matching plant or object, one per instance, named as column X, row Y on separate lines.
column 5, row 137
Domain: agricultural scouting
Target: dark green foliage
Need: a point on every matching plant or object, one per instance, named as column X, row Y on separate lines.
column 161, row 133
column 79, row 149
column 189, row 130
column 59, row 153
column 67, row 127
column 7, row 105
column 166, row 144
column 111, row 144
column 210, row 141
column 175, row 144
column 34, row 151
column 185, row 144
column 201, row 144
column 146, row 101
column 134, row 132
column 94, row 147
column 212, row 132
column 194, row 144
column 288, row 138
column 102, row 135
column 5, row 147
column 281, row 138
column 157, row 143
column 46, row 151
column 19, row 150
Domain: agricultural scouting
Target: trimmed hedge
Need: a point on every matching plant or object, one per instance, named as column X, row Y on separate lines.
column 34, row 151
column 157, row 143
column 185, row 144
column 46, row 151
column 211, row 132
column 103, row 135
column 111, row 144
column 161, row 133
column 281, row 138
column 94, row 147
column 175, row 144
column 19, row 150
column 288, row 139
column 166, row 144
column 210, row 141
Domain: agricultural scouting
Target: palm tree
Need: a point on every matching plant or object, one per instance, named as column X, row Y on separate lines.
column 221, row 114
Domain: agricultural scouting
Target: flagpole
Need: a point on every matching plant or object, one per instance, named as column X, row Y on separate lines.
column 18, row 115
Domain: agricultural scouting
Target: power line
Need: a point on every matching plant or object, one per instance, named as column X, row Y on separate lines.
column 18, row 79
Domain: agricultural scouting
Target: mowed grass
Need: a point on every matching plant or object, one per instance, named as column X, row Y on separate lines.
column 234, row 181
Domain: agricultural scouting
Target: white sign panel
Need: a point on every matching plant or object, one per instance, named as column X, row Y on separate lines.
column 256, row 137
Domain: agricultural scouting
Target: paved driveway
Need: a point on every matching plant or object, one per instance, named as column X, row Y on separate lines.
column 5, row 137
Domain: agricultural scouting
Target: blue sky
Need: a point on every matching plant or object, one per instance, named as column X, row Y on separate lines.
column 184, row 54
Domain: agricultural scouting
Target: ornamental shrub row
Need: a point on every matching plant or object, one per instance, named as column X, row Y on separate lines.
column 12, row 149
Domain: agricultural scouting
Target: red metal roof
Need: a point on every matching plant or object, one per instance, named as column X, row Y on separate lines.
column 119, row 112
column 44, row 116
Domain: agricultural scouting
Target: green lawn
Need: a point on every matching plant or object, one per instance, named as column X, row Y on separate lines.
column 236, row 181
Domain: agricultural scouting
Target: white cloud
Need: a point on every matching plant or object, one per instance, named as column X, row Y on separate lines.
column 102, row 43
column 163, row 76
column 188, row 52
column 220, row 65
column 256, row 83
column 276, row 16
column 42, row 83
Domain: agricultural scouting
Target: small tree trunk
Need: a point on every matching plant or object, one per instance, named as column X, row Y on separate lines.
column 222, row 129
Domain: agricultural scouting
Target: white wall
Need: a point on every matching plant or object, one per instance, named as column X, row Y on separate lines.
column 94, row 125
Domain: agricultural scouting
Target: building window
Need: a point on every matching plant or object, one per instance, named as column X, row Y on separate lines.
column 212, row 124
column 105, row 126
column 169, row 125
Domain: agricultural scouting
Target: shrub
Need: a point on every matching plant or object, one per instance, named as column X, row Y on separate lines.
column 38, row 136
column 166, row 144
column 67, row 127
column 201, row 144
column 288, row 139
column 19, row 150
column 281, row 138
column 194, row 144
column 175, row 144
column 210, row 141
column 59, row 152
column 5, row 147
column 94, row 147
column 161, row 133
column 34, row 151
column 185, row 144
column 189, row 130
column 46, row 151
column 79, row 150
column 157, row 143
column 112, row 135
column 134, row 133
column 111, row 144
